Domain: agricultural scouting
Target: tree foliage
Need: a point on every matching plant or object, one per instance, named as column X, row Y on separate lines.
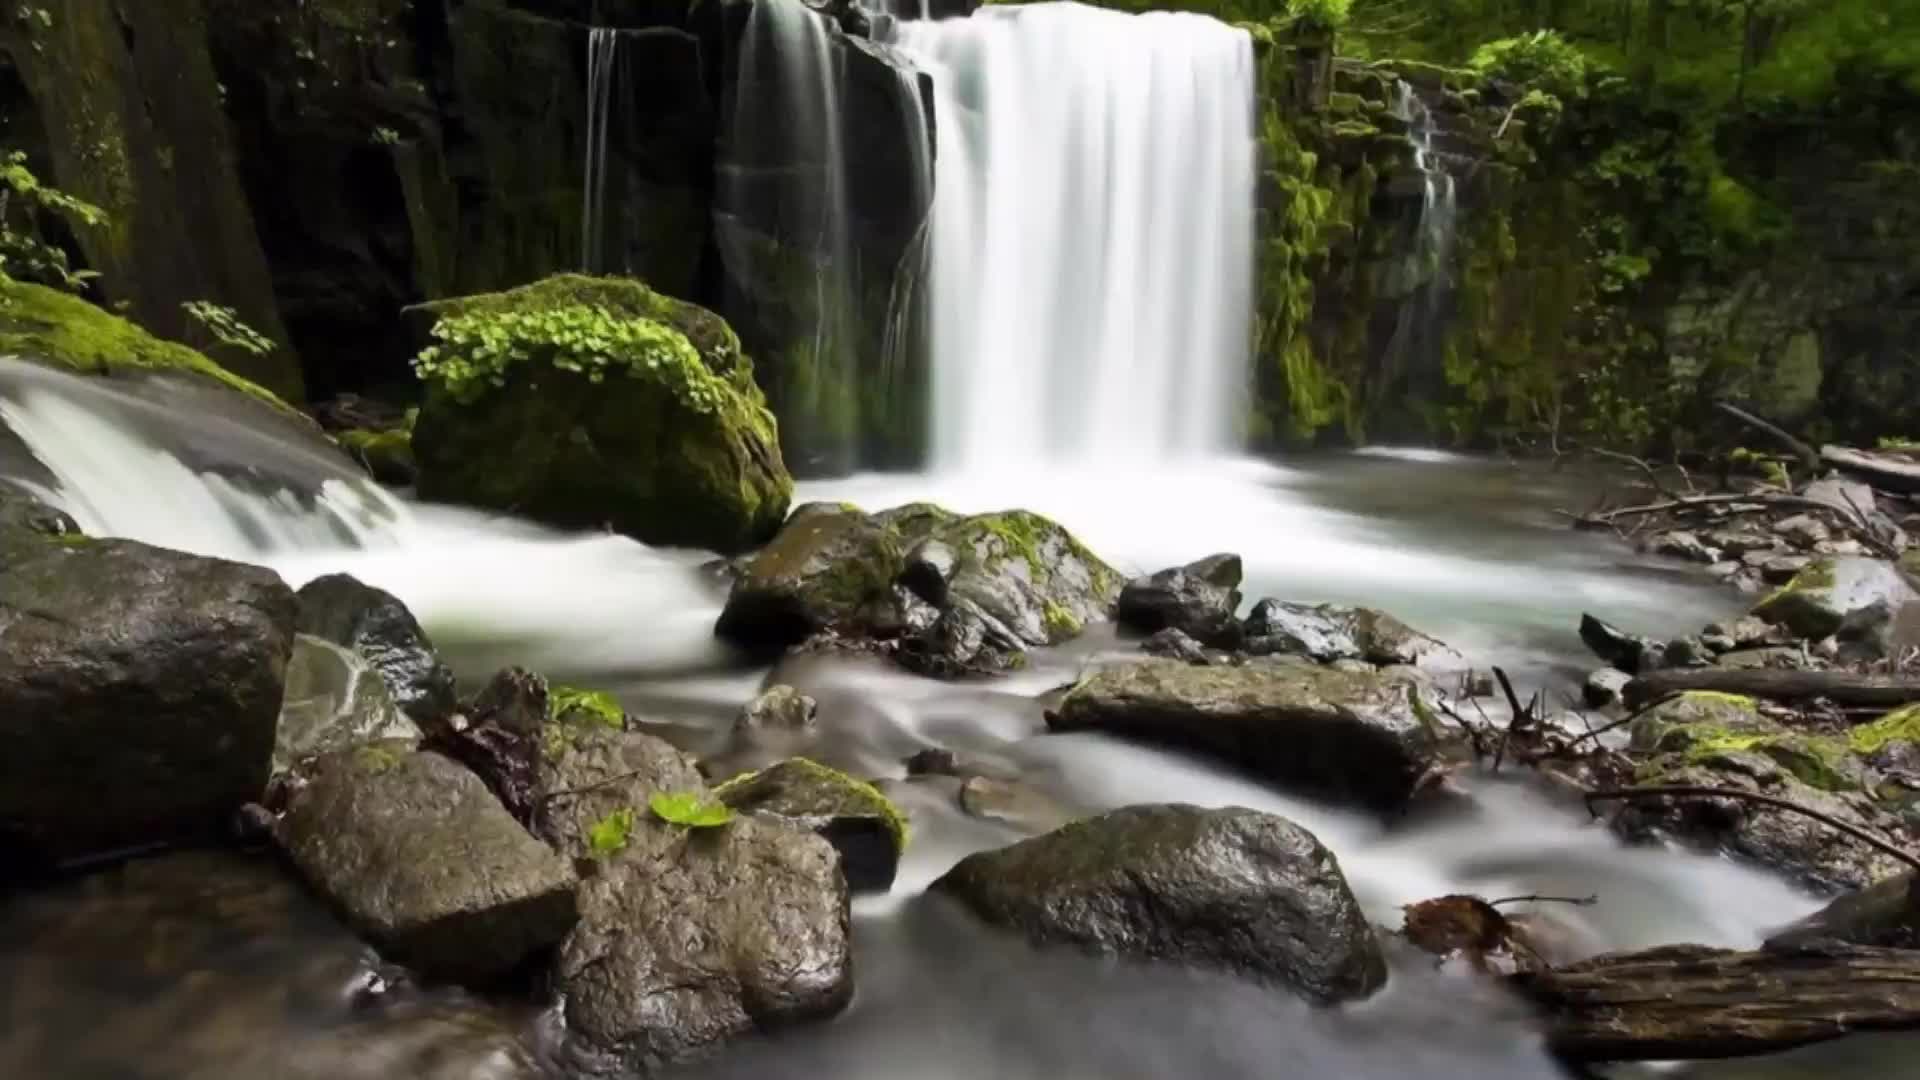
column 26, row 205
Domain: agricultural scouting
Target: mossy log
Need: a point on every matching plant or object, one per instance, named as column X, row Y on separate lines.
column 1840, row 687
column 1688, row 1002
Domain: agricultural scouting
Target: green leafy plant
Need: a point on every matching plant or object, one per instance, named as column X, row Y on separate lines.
column 25, row 254
column 223, row 326
column 476, row 352
column 608, row 836
column 1543, row 60
column 689, row 808
column 385, row 136
column 1324, row 14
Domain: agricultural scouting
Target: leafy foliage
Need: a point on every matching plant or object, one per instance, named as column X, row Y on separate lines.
column 476, row 352
column 608, row 836
column 1325, row 14
column 689, row 808
column 25, row 254
column 224, row 326
column 1542, row 60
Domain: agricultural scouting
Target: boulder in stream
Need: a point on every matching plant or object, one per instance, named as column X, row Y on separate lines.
column 375, row 624
column 1234, row 889
column 420, row 857
column 688, row 937
column 1200, row 599
column 1819, row 600
column 139, row 692
column 1328, row 633
column 1350, row 736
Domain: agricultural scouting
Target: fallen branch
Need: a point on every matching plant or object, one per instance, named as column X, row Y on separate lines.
column 1800, row 449
column 1840, row 687
column 1692, row 792
column 1576, row 901
column 1691, row 1002
column 1515, row 722
column 1885, row 473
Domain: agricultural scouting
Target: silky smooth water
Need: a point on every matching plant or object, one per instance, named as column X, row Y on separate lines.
column 128, row 973
column 1092, row 231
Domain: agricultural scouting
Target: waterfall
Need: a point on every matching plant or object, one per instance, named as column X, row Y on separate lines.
column 200, row 472
column 1437, row 211
column 1092, row 232
column 603, row 50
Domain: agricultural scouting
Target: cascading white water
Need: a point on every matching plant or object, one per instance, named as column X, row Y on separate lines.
column 603, row 51
column 1439, row 204
column 1092, row 236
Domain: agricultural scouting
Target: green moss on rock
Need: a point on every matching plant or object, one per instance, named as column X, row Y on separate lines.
column 675, row 453
column 53, row 328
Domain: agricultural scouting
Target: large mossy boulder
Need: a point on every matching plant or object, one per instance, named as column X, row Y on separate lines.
column 422, row 859
column 379, row 628
column 1726, row 741
column 688, row 937
column 1355, row 737
column 954, row 592
column 1830, row 591
column 58, row 330
column 597, row 402
column 139, row 691
column 1232, row 889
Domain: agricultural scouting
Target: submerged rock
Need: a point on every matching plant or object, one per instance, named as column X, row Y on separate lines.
column 1233, row 889
column 778, row 708
column 671, row 442
column 1348, row 736
column 334, row 701
column 139, row 692
column 1628, row 652
column 421, row 858
column 864, row 826
column 1176, row 645
column 688, row 936
column 1885, row 914
column 1818, row 601
column 375, row 624
column 1200, row 599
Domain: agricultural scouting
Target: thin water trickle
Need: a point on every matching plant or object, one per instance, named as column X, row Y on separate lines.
column 603, row 54
column 1092, row 228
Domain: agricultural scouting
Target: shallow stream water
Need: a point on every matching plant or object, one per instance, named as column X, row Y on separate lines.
column 217, row 966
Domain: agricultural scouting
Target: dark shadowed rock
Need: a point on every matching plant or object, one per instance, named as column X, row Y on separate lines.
column 1884, row 914
column 1819, row 599
column 1628, row 652
column 1233, row 889
column 1348, row 736
column 687, row 937
column 1329, row 633
column 334, row 700
column 825, row 568
column 139, row 692
column 375, row 624
column 864, row 826
column 421, row 858
column 1200, row 599
column 929, row 569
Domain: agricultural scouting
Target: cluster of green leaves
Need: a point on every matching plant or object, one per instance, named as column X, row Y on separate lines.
column 1323, row 14
column 1541, row 60
column 476, row 352
column 608, row 836
column 25, row 253
column 224, row 326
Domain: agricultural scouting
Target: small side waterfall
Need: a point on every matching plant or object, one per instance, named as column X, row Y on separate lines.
column 1422, row 281
column 1092, row 232
column 1439, row 206
column 603, row 53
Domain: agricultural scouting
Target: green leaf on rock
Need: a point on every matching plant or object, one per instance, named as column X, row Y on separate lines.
column 608, row 836
column 693, row 809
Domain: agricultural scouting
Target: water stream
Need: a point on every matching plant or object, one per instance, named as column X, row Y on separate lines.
column 1089, row 301
column 603, row 55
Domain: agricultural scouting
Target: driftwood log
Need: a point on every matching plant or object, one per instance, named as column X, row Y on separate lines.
column 1691, row 1002
column 1883, row 471
column 1840, row 687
